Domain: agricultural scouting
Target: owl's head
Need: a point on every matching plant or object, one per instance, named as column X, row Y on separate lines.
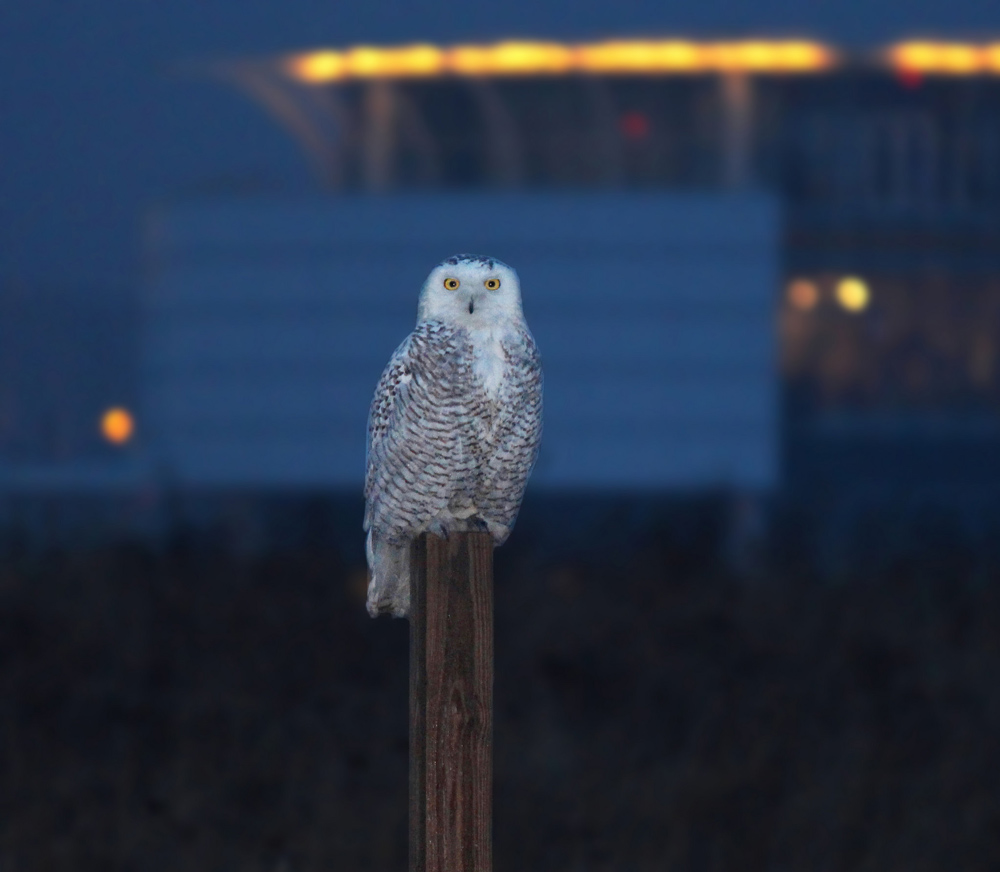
column 471, row 291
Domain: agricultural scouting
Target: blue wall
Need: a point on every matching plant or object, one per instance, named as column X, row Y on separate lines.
column 268, row 324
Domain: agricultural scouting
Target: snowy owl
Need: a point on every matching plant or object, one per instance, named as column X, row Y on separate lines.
column 454, row 426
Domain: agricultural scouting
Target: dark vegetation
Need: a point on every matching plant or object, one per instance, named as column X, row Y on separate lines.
column 188, row 707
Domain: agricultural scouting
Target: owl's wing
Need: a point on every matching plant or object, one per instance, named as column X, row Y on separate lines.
column 390, row 395
column 416, row 455
column 519, row 432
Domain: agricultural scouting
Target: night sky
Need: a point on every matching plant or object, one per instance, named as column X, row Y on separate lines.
column 95, row 129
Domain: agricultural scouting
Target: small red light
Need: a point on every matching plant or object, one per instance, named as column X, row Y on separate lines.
column 634, row 125
column 910, row 79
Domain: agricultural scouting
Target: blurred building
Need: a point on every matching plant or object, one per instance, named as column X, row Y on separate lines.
column 268, row 323
column 886, row 163
column 842, row 258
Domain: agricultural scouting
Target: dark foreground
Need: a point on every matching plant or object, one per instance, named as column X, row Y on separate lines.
column 182, row 708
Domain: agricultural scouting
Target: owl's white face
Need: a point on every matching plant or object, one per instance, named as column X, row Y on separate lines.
column 471, row 291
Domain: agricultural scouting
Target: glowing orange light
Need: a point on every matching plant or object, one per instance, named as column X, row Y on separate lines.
column 510, row 58
column 944, row 58
column 366, row 62
column 991, row 58
column 407, row 61
column 639, row 57
column 962, row 59
column 803, row 56
column 757, row 56
column 117, row 426
column 803, row 294
column 317, row 68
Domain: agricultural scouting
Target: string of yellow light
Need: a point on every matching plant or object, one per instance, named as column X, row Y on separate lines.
column 945, row 58
column 624, row 57
column 553, row 59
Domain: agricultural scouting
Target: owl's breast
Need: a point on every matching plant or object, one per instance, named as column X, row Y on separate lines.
column 499, row 397
column 489, row 363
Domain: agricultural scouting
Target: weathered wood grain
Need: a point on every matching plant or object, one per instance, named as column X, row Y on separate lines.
column 451, row 704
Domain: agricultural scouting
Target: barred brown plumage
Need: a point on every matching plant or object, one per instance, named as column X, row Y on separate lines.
column 455, row 422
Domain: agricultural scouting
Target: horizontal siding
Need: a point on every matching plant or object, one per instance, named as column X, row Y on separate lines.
column 690, row 459
column 267, row 329
column 338, row 343
column 672, row 281
column 368, row 225
column 648, row 399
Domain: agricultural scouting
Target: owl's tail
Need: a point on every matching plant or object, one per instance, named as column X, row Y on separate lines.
column 389, row 584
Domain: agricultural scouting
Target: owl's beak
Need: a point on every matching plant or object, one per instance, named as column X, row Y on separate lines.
column 472, row 305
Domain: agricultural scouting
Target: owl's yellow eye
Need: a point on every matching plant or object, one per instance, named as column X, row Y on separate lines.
column 492, row 284
column 452, row 284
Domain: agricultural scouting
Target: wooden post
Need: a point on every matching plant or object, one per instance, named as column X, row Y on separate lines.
column 451, row 704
